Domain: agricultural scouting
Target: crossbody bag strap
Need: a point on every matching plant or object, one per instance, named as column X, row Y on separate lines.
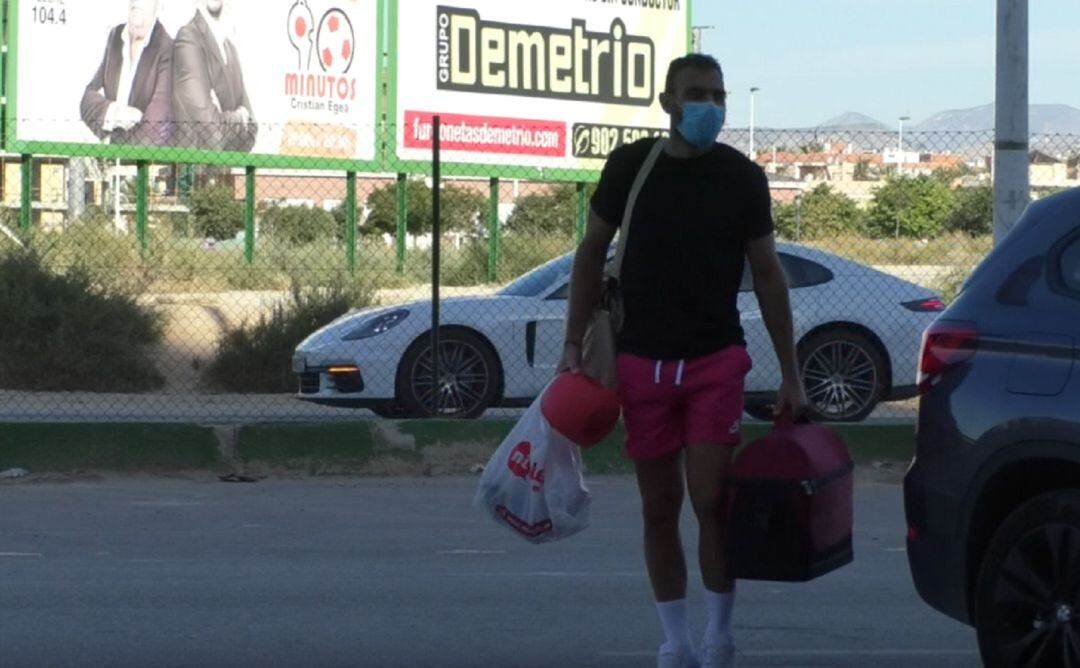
column 635, row 190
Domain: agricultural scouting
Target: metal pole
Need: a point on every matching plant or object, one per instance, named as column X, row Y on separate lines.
column 249, row 215
column 798, row 219
column 350, row 221
column 142, row 210
column 753, row 155
column 436, row 238
column 26, row 197
column 1012, row 180
column 118, row 219
column 900, row 144
column 76, row 188
column 493, row 230
column 402, row 194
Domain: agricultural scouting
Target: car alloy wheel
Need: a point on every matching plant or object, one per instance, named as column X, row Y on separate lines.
column 844, row 375
column 1028, row 605
column 466, row 384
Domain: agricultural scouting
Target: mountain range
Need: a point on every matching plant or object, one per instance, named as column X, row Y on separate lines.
column 1043, row 119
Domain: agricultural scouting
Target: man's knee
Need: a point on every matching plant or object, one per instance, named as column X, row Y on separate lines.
column 707, row 500
column 661, row 509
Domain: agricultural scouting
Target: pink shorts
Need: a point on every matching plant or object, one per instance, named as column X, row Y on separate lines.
column 668, row 405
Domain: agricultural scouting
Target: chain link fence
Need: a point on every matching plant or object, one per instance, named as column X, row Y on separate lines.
column 135, row 291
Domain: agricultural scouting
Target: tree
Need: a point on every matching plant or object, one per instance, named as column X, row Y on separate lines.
column 218, row 215
column 863, row 171
column 825, row 212
column 551, row 211
column 819, row 213
column 462, row 209
column 297, row 224
column 915, row 207
column 974, row 211
column 784, row 220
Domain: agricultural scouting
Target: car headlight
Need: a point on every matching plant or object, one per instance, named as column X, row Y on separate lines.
column 377, row 325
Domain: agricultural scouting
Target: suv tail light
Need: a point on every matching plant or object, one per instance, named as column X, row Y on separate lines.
column 945, row 344
column 930, row 305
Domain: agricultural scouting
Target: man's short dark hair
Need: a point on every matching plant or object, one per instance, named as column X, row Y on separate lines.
column 701, row 61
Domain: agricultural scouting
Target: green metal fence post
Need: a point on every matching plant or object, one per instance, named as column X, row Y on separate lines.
column 402, row 212
column 26, row 211
column 249, row 215
column 142, row 210
column 579, row 226
column 350, row 221
column 494, row 232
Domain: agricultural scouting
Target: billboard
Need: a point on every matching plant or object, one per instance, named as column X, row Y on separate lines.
column 555, row 85
column 239, row 81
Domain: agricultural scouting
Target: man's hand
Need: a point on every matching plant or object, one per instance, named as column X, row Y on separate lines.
column 791, row 397
column 571, row 358
column 123, row 117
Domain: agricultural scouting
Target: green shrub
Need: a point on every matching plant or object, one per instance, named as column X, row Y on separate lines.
column 911, row 207
column 552, row 212
column 974, row 211
column 258, row 358
column 216, row 212
column 821, row 213
column 64, row 332
column 462, row 208
column 297, row 224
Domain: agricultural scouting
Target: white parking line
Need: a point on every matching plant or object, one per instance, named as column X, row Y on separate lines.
column 21, row 554
column 471, row 552
column 819, row 653
column 168, row 504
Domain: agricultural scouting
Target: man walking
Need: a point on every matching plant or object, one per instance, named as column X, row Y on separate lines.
column 702, row 210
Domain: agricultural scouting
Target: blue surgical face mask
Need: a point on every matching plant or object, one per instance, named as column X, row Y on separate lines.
column 701, row 123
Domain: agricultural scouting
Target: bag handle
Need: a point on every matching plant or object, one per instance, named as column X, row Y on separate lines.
column 635, row 190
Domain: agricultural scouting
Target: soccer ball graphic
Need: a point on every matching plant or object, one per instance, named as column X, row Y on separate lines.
column 301, row 25
column 336, row 42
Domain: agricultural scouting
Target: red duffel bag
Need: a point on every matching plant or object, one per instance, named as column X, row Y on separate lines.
column 790, row 505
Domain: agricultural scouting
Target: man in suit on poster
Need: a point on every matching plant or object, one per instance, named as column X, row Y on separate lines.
column 210, row 101
column 129, row 99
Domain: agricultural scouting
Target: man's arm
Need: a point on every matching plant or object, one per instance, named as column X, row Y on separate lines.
column 585, row 286
column 95, row 106
column 192, row 103
column 771, row 288
column 156, row 126
column 246, row 129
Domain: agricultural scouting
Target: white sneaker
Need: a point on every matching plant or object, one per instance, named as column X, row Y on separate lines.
column 718, row 656
column 682, row 657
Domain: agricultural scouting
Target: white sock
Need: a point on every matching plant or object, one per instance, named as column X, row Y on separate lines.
column 718, row 626
column 673, row 617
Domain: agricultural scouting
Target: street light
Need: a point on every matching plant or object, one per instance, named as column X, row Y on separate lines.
column 697, row 36
column 753, row 90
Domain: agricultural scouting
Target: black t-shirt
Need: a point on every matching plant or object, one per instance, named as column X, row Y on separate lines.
column 687, row 243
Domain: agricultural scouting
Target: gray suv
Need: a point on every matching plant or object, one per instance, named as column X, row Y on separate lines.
column 992, row 497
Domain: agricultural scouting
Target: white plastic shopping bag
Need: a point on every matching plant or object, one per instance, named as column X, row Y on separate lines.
column 533, row 484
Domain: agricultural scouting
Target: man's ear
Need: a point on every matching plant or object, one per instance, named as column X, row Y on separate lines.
column 667, row 103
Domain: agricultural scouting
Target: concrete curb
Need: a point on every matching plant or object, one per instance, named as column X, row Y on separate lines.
column 361, row 448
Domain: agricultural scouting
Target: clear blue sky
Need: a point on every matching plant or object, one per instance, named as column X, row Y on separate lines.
column 815, row 59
